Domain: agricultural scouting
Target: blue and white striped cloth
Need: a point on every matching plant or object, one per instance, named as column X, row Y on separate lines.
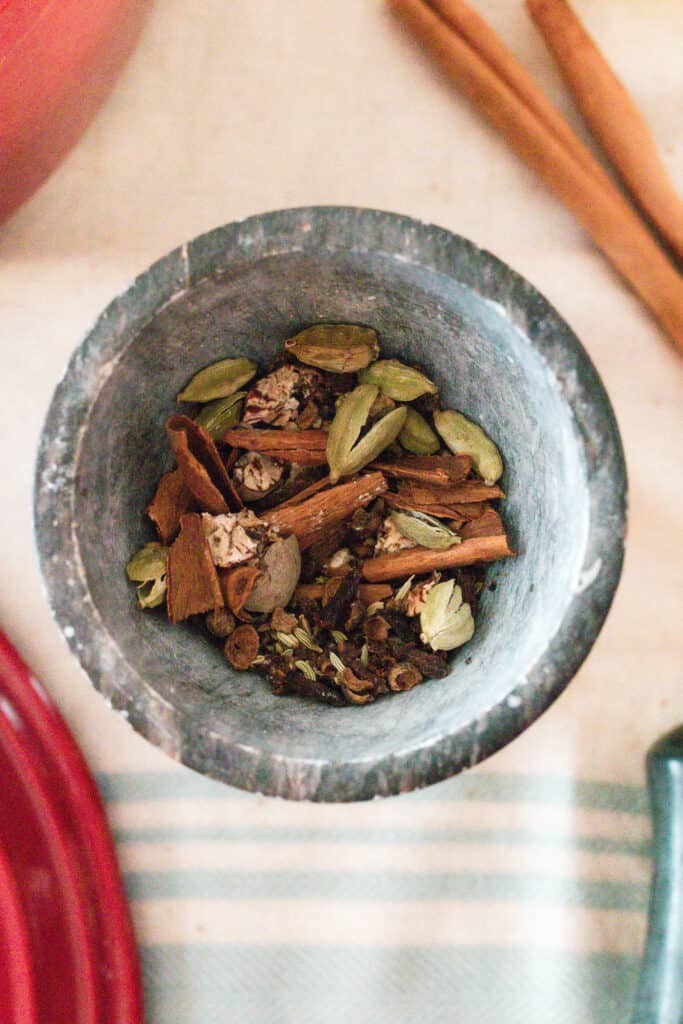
column 488, row 898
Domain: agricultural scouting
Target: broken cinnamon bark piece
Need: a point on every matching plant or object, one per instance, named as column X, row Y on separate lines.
column 201, row 467
column 488, row 524
column 192, row 581
column 307, row 492
column 171, row 501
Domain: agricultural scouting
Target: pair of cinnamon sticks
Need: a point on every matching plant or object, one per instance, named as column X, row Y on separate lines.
column 481, row 65
column 314, row 514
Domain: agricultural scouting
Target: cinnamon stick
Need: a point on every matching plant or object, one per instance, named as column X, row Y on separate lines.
column 481, row 37
column 468, row 490
column 612, row 115
column 302, row 456
column 439, row 470
column 271, row 440
column 607, row 217
column 422, row 560
column 307, row 492
column 323, row 510
column 461, row 510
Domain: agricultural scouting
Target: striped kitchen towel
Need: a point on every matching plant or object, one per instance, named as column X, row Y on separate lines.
column 487, row 898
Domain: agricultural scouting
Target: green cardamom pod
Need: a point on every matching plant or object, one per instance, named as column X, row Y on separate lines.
column 445, row 621
column 345, row 453
column 218, row 380
column 218, row 416
column 396, row 380
column 424, row 530
column 466, row 438
column 341, row 348
column 417, row 436
column 147, row 568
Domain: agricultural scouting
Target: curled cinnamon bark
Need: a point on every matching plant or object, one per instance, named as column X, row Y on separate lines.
column 171, row 500
column 201, row 467
column 192, row 582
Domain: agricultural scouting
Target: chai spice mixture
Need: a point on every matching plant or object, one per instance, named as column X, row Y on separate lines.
column 328, row 525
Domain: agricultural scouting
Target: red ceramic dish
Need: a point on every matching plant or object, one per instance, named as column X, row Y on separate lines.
column 67, row 950
column 58, row 61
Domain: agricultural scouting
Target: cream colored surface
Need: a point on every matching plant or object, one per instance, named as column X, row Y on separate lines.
column 257, row 104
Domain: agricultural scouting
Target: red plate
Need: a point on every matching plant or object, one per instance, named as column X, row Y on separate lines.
column 67, row 949
column 58, row 61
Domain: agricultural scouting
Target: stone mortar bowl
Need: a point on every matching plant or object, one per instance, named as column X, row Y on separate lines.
column 497, row 350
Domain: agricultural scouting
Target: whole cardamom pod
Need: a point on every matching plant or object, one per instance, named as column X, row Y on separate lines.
column 396, row 380
column 466, row 438
column 341, row 348
column 417, row 436
column 218, row 380
column 445, row 621
column 218, row 416
column 345, row 453
column 424, row 530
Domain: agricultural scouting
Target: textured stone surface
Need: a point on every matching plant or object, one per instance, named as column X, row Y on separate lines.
column 498, row 351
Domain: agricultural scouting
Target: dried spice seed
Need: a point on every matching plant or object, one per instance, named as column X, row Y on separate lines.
column 220, row 622
column 282, row 621
column 279, row 575
column 236, row 586
column 306, row 640
column 242, row 647
column 404, row 677
column 307, row 669
column 336, row 661
column 286, row 639
column 376, row 629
